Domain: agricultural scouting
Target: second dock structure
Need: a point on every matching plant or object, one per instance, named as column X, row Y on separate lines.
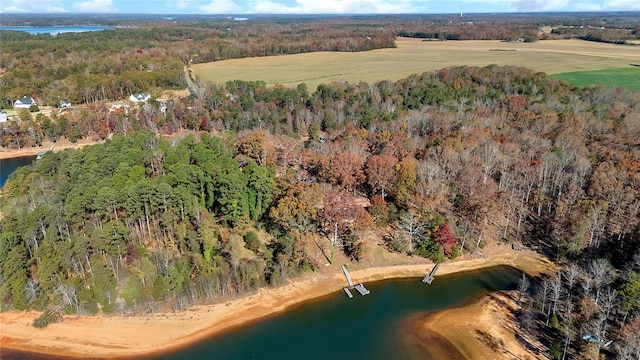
column 359, row 287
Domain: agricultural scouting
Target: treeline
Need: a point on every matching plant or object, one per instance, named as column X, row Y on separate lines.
column 471, row 28
column 606, row 35
column 615, row 29
column 443, row 162
column 148, row 55
column 86, row 67
column 113, row 64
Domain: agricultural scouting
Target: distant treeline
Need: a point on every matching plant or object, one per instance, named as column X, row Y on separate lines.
column 148, row 55
column 112, row 64
column 606, row 35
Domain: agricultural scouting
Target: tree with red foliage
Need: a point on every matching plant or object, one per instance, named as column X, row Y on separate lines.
column 445, row 239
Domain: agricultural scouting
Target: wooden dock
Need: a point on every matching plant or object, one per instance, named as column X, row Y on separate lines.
column 349, row 294
column 359, row 287
column 346, row 274
column 432, row 275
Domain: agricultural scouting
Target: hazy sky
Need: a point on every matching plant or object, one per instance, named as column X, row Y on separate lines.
column 310, row 6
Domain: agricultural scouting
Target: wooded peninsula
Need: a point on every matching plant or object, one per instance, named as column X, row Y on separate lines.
column 242, row 186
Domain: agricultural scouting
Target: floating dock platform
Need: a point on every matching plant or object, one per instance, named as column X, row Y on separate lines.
column 362, row 290
column 359, row 287
column 349, row 294
column 432, row 275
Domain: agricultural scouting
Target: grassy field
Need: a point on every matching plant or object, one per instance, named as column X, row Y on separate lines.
column 416, row 56
column 628, row 77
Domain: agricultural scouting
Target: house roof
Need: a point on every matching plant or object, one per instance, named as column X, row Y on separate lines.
column 140, row 96
column 26, row 100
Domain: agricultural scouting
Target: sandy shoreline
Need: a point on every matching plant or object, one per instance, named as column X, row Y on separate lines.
column 46, row 146
column 485, row 329
column 112, row 336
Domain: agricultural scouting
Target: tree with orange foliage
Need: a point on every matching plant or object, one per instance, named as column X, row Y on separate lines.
column 254, row 146
column 381, row 173
column 346, row 169
column 340, row 217
column 296, row 210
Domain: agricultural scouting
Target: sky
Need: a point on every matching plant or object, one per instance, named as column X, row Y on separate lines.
column 310, row 6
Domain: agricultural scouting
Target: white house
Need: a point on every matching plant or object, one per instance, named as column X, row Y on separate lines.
column 3, row 117
column 141, row 97
column 65, row 104
column 24, row 103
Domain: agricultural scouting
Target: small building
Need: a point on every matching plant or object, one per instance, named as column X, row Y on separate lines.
column 163, row 106
column 24, row 103
column 3, row 117
column 192, row 92
column 65, row 104
column 139, row 97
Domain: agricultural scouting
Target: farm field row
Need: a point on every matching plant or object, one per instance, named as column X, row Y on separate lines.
column 417, row 56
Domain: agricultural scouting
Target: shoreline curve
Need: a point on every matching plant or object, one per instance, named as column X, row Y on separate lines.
column 128, row 337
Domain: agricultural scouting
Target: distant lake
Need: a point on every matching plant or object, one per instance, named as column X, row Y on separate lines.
column 7, row 166
column 54, row 30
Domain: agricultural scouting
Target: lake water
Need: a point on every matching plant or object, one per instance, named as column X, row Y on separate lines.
column 7, row 166
column 336, row 327
column 365, row 327
column 53, row 30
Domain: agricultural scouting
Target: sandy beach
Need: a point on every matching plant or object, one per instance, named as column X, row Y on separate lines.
column 114, row 336
column 483, row 330
column 63, row 144
column 46, row 146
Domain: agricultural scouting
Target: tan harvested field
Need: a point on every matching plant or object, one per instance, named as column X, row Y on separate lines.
column 416, row 56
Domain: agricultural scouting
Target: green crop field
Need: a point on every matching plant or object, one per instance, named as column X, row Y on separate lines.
column 628, row 77
column 416, row 56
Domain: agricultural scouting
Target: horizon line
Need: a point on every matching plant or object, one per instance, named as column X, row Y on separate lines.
column 321, row 14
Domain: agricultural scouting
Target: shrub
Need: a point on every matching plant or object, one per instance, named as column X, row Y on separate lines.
column 252, row 241
column 47, row 317
column 398, row 243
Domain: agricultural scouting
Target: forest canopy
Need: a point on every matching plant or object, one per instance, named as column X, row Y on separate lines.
column 278, row 181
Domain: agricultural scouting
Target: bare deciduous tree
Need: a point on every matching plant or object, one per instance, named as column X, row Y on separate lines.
column 412, row 226
column 523, row 287
column 571, row 274
column 556, row 292
column 602, row 274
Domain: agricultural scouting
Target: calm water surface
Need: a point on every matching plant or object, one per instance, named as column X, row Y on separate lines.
column 7, row 166
column 53, row 30
column 336, row 327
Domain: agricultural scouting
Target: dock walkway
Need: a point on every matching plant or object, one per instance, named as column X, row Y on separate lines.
column 359, row 287
column 432, row 275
